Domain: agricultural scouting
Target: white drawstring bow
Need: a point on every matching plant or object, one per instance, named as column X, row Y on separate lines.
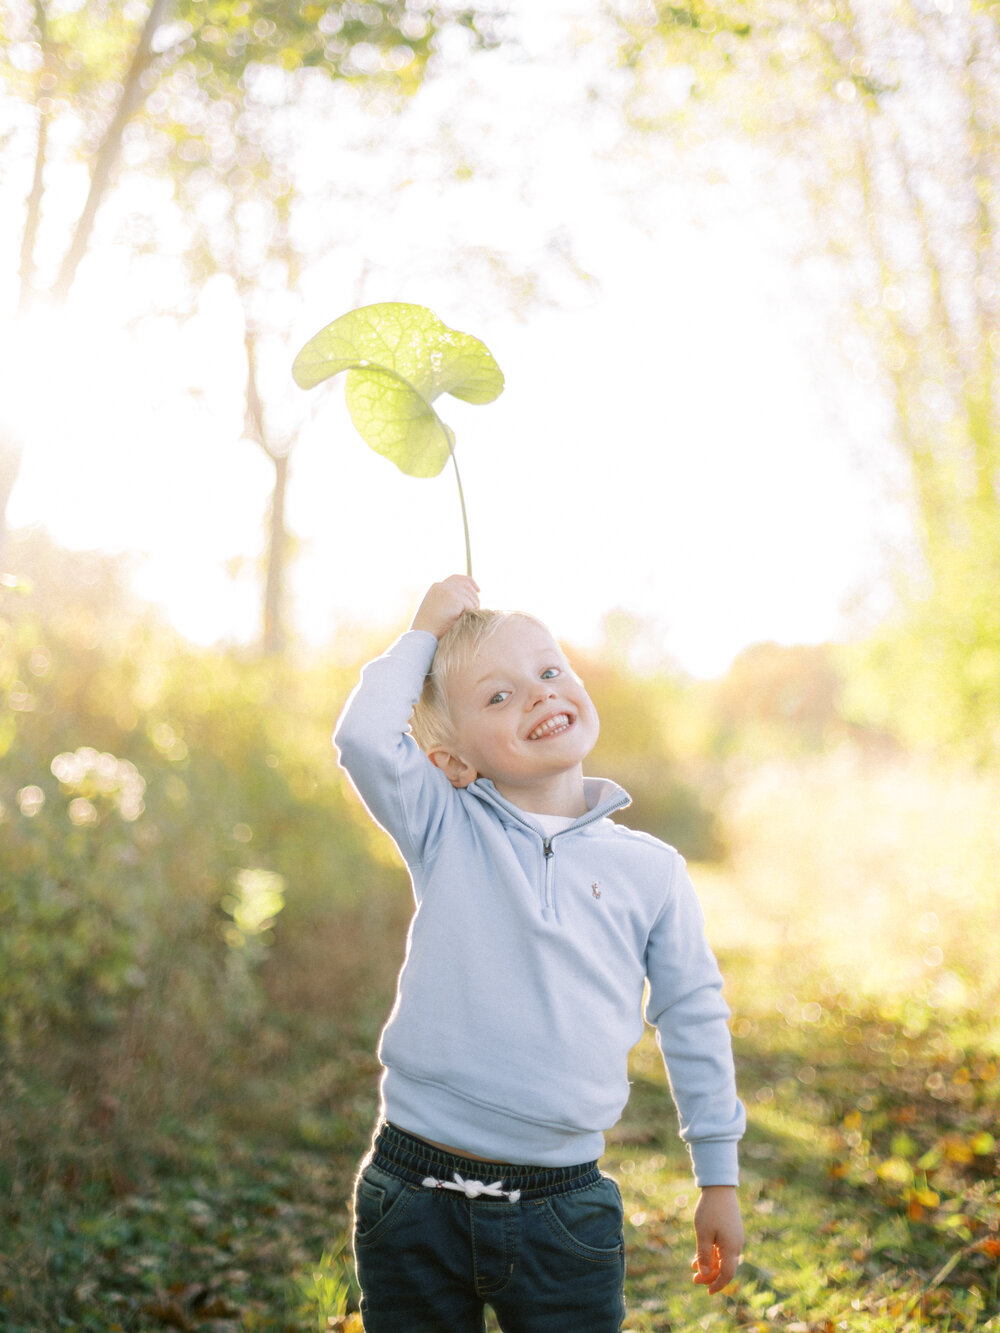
column 472, row 1189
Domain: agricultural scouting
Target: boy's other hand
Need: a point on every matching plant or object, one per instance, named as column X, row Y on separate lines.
column 718, row 1230
column 444, row 602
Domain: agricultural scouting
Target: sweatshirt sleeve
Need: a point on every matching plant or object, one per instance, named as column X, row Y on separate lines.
column 400, row 787
column 691, row 1018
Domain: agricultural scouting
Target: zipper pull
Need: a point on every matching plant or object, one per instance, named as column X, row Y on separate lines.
column 547, row 847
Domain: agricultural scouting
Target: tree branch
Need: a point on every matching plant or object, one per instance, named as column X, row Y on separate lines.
column 110, row 149
column 254, row 427
column 26, row 268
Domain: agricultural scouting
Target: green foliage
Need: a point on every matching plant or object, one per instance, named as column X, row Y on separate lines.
column 840, row 1234
column 852, row 925
column 869, row 1169
column 256, row 899
column 881, row 143
column 214, row 121
column 687, row 29
column 349, row 41
column 777, row 699
column 75, row 932
column 200, row 932
column 191, row 93
column 225, row 1232
column 399, row 358
column 645, row 727
column 327, row 1288
column 206, row 56
column 931, row 673
column 152, row 798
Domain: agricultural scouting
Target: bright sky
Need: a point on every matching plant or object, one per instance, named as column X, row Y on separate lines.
column 665, row 443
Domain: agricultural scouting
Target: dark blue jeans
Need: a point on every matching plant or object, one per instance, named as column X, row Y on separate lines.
column 550, row 1259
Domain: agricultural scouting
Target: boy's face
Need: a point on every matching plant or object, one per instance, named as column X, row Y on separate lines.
column 521, row 715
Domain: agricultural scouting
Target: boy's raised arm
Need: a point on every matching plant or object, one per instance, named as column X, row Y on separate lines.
column 399, row 784
column 444, row 602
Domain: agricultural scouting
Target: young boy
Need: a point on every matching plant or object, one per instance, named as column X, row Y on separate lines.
column 538, row 922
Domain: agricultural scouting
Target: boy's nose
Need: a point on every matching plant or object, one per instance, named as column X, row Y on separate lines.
column 539, row 695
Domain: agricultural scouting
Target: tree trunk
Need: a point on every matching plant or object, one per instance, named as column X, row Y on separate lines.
column 110, row 150
column 34, row 209
column 277, row 551
column 255, row 428
column 10, row 466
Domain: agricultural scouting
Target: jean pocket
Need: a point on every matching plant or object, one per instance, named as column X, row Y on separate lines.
column 379, row 1202
column 589, row 1223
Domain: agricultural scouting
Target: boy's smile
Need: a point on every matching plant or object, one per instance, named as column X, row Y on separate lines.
column 552, row 726
column 522, row 718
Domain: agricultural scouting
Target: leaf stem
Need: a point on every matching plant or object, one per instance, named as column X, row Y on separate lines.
column 461, row 500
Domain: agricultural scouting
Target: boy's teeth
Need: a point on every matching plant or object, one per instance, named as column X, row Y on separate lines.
column 553, row 724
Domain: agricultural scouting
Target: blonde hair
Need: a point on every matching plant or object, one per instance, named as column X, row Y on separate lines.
column 430, row 722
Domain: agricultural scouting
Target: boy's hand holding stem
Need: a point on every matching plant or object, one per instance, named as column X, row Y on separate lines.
column 444, row 602
column 719, row 1232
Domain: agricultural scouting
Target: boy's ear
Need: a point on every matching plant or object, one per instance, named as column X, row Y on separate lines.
column 455, row 769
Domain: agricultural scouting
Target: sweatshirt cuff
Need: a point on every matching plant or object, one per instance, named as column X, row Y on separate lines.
column 716, row 1162
column 416, row 646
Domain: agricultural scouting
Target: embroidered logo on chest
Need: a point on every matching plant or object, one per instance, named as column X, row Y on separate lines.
column 595, row 889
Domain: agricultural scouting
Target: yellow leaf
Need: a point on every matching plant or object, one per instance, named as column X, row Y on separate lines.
column 895, row 1169
column 957, row 1150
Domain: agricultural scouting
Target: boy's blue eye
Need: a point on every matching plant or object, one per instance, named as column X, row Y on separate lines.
column 499, row 697
column 550, row 673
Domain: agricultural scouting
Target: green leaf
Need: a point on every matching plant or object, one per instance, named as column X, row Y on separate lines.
column 399, row 358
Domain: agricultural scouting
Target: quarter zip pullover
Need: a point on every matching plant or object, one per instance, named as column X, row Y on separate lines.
column 521, row 992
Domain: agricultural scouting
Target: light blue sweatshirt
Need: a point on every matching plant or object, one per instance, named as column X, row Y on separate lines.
column 521, row 993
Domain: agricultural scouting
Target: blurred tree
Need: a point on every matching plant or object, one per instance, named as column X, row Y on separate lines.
column 205, row 98
column 779, row 699
column 163, row 87
column 653, row 736
column 883, row 121
column 10, row 462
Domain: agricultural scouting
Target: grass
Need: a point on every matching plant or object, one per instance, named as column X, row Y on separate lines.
column 856, row 927
column 869, row 1204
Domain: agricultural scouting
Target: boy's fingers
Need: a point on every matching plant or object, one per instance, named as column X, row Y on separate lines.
column 727, row 1273
column 715, row 1273
column 461, row 581
column 465, row 588
column 706, row 1266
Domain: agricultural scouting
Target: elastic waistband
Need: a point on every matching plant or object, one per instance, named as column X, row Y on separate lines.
column 411, row 1159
